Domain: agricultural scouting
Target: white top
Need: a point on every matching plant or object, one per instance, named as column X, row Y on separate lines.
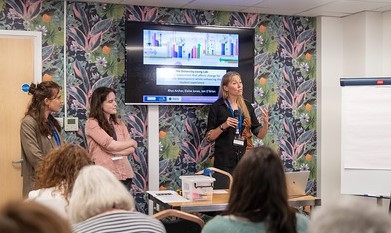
column 50, row 198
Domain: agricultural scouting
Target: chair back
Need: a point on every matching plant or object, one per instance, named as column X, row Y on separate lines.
column 223, row 178
column 179, row 221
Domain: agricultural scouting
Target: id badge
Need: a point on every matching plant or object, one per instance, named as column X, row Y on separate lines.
column 117, row 157
column 238, row 141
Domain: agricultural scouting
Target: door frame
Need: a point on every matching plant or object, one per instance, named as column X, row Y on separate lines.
column 37, row 38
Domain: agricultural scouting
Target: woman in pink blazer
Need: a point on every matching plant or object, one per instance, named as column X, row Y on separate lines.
column 108, row 139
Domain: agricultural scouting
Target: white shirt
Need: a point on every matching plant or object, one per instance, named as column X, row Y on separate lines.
column 50, row 198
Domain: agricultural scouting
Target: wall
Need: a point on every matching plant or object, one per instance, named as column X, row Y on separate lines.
column 386, row 45
column 83, row 47
column 353, row 46
column 330, row 69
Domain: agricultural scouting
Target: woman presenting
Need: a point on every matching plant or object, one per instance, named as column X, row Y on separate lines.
column 231, row 123
column 39, row 130
column 108, row 139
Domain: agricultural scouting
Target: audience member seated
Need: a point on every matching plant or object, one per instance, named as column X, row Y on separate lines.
column 31, row 217
column 56, row 174
column 101, row 203
column 351, row 216
column 179, row 221
column 258, row 199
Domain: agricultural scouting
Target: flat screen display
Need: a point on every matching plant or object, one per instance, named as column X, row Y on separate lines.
column 184, row 64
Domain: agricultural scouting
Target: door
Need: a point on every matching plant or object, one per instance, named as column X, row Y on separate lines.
column 16, row 69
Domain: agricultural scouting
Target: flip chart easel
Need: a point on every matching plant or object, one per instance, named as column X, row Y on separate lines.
column 366, row 136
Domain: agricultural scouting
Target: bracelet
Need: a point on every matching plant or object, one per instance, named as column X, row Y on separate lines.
column 221, row 127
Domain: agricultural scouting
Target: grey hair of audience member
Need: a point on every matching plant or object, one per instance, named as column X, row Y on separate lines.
column 96, row 191
column 350, row 216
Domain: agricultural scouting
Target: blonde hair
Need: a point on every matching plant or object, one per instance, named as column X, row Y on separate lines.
column 225, row 80
column 97, row 190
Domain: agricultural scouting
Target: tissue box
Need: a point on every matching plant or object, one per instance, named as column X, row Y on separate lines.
column 197, row 187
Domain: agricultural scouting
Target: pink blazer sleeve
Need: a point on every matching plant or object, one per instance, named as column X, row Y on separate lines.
column 96, row 133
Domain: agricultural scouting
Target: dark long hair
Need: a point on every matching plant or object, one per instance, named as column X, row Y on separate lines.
column 36, row 108
column 259, row 191
column 96, row 110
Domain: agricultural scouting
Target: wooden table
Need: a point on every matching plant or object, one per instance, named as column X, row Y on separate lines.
column 219, row 202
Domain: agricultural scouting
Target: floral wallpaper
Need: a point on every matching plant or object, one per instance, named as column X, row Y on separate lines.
column 46, row 17
column 94, row 55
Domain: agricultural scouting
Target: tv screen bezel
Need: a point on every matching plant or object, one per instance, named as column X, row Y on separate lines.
column 134, row 59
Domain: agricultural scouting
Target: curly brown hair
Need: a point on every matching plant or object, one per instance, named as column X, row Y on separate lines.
column 60, row 168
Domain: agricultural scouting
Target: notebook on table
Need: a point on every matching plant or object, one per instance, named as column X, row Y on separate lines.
column 296, row 183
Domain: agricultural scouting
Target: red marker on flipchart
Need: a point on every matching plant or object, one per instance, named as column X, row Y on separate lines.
column 379, row 82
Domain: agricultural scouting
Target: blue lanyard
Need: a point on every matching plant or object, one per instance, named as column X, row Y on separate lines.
column 55, row 134
column 233, row 115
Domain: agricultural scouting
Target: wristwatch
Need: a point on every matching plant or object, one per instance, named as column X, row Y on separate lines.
column 221, row 127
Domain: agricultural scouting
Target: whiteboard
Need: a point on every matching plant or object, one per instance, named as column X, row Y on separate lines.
column 366, row 136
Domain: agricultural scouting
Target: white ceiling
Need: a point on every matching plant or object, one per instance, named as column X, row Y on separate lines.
column 311, row 8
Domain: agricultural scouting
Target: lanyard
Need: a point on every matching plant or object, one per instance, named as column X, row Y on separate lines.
column 55, row 134
column 233, row 115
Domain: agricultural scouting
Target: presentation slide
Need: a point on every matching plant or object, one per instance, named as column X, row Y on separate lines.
column 186, row 85
column 189, row 77
column 183, row 48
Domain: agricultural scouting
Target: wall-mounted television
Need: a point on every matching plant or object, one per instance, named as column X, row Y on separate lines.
column 184, row 64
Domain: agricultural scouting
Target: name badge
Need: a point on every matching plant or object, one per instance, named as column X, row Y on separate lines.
column 238, row 141
column 117, row 157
